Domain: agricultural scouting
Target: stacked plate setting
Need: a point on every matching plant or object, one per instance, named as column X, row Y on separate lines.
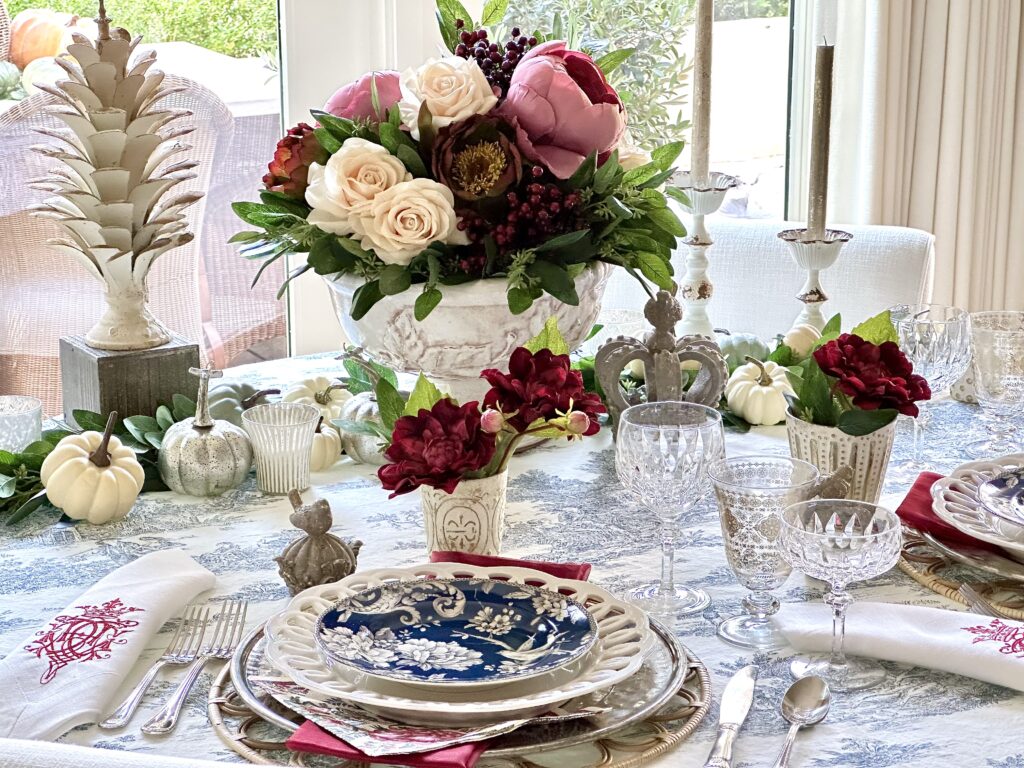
column 455, row 645
column 985, row 501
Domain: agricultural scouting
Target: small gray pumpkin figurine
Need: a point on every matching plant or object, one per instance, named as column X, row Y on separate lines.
column 319, row 557
column 201, row 456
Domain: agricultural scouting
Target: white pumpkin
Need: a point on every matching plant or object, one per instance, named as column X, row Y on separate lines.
column 93, row 476
column 322, row 393
column 801, row 339
column 757, row 392
column 326, row 448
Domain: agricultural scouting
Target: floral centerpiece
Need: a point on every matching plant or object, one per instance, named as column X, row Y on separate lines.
column 459, row 454
column 503, row 163
column 847, row 395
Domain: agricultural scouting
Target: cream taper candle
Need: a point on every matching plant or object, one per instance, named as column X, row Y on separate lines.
column 701, row 120
column 817, row 194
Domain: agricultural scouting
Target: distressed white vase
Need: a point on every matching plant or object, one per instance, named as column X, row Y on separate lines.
column 470, row 330
column 829, row 450
column 470, row 519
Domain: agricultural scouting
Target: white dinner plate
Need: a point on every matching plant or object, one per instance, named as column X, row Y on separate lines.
column 624, row 637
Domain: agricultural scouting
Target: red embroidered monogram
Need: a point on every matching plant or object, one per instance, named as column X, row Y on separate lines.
column 83, row 638
column 1012, row 638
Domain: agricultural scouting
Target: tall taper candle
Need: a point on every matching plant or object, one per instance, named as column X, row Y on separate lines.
column 701, row 121
column 817, row 194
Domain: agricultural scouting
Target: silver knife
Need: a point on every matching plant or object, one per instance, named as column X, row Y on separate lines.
column 736, row 698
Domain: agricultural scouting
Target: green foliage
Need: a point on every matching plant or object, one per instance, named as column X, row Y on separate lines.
column 654, row 81
column 878, row 329
column 231, row 27
column 729, row 10
column 549, row 338
column 423, row 397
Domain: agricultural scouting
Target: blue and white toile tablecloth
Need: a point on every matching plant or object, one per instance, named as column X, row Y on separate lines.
column 565, row 503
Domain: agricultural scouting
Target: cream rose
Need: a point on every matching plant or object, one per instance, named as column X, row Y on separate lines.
column 453, row 89
column 342, row 191
column 408, row 217
column 631, row 156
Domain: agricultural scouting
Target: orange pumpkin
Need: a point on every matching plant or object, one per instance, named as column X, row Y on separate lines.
column 38, row 32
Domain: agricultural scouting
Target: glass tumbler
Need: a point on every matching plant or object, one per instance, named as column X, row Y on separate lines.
column 662, row 452
column 21, row 422
column 752, row 493
column 998, row 379
column 282, row 440
column 839, row 542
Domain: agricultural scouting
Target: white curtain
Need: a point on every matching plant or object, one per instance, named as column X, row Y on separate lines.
column 928, row 132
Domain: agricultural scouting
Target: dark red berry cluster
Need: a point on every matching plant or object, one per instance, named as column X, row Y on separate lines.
column 497, row 62
column 535, row 212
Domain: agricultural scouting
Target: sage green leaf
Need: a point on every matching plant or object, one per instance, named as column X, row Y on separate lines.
column 816, row 397
column 36, row 501
column 164, row 417
column 619, row 209
column 608, row 175
column 665, row 155
column 550, row 337
column 783, row 355
column 365, row 296
column 390, row 402
column 655, row 269
column 328, row 255
column 423, row 397
column 668, row 221
column 519, row 300
column 7, row 485
column 390, row 137
column 494, row 12
column 555, row 280
column 678, row 195
column 37, row 448
column 89, row 420
column 182, row 407
column 155, row 439
column 394, row 278
column 138, row 426
column 584, row 175
column 327, row 140
column 613, row 60
column 282, row 203
column 858, row 422
column 245, row 237
column 350, row 427
column 833, row 327
column 878, row 329
column 411, row 159
column 596, row 329
column 561, row 241
column 260, row 215
column 9, row 459
column 54, row 436
column 426, row 302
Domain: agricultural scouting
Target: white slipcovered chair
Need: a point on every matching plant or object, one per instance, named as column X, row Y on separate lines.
column 45, row 295
column 756, row 280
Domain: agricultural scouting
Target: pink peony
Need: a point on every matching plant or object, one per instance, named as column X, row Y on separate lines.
column 565, row 107
column 355, row 100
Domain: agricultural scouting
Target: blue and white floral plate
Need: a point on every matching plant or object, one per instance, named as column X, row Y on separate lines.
column 1003, row 495
column 623, row 639
column 456, row 633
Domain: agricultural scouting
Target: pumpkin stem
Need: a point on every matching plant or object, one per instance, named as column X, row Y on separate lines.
column 324, row 398
column 101, row 456
column 319, row 425
column 295, row 499
column 764, row 379
column 203, row 420
column 255, row 397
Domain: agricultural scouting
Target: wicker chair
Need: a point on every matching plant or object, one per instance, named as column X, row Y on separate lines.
column 44, row 295
column 5, row 32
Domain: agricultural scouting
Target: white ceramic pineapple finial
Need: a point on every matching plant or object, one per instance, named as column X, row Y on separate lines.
column 113, row 190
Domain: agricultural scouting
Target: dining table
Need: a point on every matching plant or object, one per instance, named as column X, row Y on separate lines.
column 565, row 503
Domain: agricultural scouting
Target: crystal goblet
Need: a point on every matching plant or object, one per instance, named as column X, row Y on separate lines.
column 752, row 493
column 839, row 542
column 998, row 339
column 662, row 452
column 937, row 340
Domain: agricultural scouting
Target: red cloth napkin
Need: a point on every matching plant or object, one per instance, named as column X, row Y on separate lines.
column 577, row 571
column 312, row 738
column 916, row 512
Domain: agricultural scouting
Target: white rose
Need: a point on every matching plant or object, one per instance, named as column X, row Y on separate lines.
column 410, row 216
column 342, row 192
column 453, row 89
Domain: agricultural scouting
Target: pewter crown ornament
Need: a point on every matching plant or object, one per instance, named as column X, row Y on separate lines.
column 319, row 557
column 661, row 353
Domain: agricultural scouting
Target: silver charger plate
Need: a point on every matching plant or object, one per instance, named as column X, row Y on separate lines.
column 650, row 689
column 979, row 559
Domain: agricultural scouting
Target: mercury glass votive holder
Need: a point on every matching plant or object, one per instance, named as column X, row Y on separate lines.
column 282, row 439
column 21, row 422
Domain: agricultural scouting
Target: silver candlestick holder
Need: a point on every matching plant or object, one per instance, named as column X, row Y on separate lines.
column 696, row 288
column 814, row 254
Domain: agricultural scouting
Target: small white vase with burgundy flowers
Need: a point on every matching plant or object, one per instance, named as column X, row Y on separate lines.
column 470, row 519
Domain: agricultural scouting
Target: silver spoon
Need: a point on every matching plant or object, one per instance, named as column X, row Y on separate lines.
column 805, row 704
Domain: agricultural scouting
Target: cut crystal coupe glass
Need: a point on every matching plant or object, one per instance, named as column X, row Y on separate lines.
column 752, row 493
column 998, row 339
column 839, row 542
column 937, row 340
column 662, row 452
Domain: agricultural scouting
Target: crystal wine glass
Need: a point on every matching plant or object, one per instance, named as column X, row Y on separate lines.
column 840, row 541
column 752, row 493
column 998, row 378
column 662, row 452
column 937, row 340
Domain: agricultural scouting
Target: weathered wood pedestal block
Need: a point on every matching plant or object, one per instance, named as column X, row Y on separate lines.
column 130, row 383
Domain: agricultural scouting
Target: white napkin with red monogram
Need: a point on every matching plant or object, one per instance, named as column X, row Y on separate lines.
column 67, row 672
column 952, row 641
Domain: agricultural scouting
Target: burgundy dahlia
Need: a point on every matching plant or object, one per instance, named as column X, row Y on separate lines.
column 477, row 158
column 436, row 448
column 540, row 386
column 289, row 169
column 874, row 376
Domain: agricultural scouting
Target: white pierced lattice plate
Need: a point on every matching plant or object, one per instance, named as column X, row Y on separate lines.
column 624, row 637
column 955, row 500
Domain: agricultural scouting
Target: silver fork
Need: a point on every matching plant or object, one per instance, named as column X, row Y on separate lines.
column 978, row 603
column 182, row 650
column 226, row 634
